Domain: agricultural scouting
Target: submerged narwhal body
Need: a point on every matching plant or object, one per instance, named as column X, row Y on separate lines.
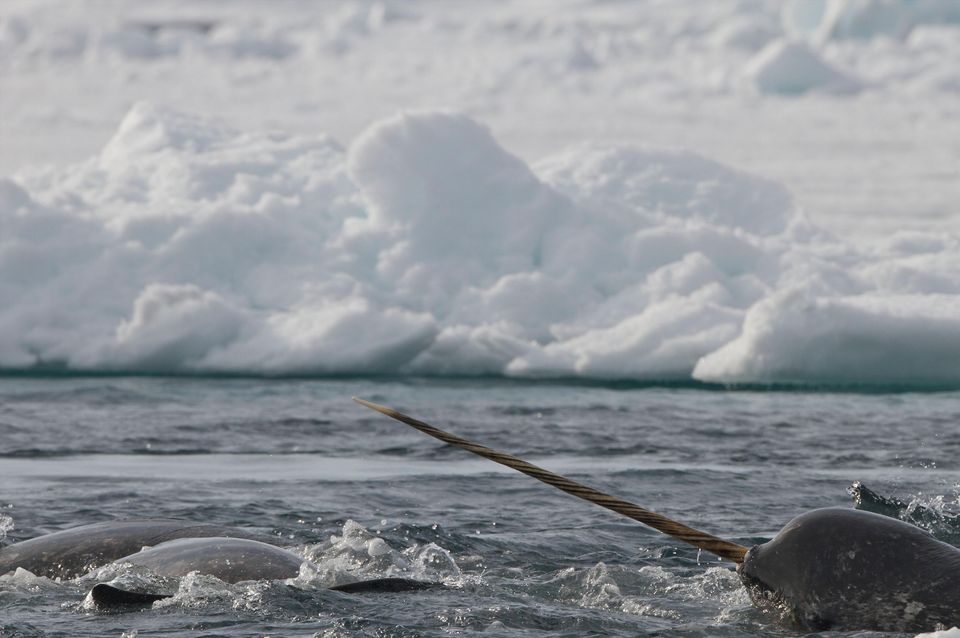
column 231, row 560
column 73, row 552
column 831, row 568
column 169, row 548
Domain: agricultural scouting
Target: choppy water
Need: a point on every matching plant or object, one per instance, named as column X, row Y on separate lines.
column 299, row 459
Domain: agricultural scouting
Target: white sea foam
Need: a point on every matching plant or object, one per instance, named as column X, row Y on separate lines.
column 427, row 248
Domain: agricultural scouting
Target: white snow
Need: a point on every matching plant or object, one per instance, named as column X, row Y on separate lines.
column 737, row 194
column 840, row 19
column 792, row 68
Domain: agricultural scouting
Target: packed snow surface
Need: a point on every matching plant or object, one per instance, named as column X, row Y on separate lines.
column 428, row 188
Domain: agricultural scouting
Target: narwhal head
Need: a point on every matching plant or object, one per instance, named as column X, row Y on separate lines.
column 766, row 573
column 827, row 567
column 794, row 573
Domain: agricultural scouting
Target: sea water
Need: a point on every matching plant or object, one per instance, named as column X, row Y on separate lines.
column 363, row 496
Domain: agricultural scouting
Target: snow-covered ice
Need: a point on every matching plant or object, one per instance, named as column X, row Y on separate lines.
column 792, row 68
column 750, row 193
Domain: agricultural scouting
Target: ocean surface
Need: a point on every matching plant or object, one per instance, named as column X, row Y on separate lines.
column 364, row 496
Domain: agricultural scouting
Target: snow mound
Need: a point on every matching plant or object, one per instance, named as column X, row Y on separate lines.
column 668, row 187
column 793, row 68
column 865, row 339
column 424, row 247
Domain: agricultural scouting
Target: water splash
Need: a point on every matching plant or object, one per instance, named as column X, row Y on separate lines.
column 6, row 525
column 357, row 553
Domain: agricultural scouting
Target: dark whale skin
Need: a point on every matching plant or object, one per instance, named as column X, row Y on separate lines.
column 845, row 569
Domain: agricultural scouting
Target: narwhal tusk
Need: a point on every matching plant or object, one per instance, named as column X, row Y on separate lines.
column 720, row 547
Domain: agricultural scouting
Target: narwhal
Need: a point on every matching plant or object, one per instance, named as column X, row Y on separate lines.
column 832, row 568
column 169, row 548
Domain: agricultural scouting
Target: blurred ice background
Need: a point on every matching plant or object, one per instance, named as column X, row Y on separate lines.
column 734, row 191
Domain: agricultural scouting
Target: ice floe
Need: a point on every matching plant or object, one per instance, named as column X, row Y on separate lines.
column 425, row 247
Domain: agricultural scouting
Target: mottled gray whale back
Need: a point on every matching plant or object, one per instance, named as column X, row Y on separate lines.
column 169, row 548
column 75, row 551
column 232, row 560
column 839, row 568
